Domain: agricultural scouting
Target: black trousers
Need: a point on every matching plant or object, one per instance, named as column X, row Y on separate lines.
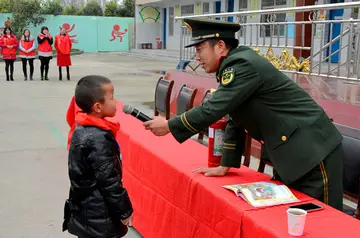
column 9, row 64
column 67, row 73
column 325, row 181
column 24, row 65
column 44, row 66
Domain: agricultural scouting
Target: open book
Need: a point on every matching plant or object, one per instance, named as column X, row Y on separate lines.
column 260, row 194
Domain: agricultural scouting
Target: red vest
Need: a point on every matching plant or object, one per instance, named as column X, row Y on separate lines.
column 9, row 41
column 63, row 44
column 27, row 45
column 45, row 46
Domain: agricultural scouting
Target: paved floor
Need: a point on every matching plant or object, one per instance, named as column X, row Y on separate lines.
column 33, row 132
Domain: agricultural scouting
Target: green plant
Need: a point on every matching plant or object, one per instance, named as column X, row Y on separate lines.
column 24, row 14
column 128, row 9
column 70, row 10
column 52, row 7
column 92, row 9
column 112, row 9
column 6, row 6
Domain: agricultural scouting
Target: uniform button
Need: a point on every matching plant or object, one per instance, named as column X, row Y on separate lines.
column 283, row 138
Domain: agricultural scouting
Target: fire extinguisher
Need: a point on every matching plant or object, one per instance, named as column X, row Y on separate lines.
column 216, row 141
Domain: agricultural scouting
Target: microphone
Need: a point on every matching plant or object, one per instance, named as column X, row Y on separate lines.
column 135, row 113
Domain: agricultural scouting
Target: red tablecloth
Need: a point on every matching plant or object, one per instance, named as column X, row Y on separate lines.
column 170, row 201
column 272, row 223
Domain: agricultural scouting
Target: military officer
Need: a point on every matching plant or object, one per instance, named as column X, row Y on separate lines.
column 300, row 139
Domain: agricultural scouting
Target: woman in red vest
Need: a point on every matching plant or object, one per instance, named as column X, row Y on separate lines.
column 45, row 41
column 9, row 44
column 63, row 47
column 27, row 53
column 0, row 44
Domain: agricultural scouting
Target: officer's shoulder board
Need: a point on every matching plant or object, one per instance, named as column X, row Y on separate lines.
column 227, row 76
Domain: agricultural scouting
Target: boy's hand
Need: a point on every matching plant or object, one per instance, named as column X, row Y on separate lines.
column 128, row 221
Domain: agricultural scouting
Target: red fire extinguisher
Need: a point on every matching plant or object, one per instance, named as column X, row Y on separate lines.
column 216, row 141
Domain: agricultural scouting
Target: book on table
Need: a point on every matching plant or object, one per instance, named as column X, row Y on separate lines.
column 261, row 194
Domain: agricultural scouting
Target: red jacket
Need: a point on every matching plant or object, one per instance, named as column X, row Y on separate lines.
column 63, row 44
column 6, row 41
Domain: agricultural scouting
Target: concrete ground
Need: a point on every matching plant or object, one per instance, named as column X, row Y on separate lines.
column 33, row 133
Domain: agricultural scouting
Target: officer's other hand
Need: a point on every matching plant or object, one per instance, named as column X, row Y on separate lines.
column 158, row 125
column 215, row 171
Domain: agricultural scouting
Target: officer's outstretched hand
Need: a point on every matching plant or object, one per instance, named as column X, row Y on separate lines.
column 158, row 125
column 215, row 171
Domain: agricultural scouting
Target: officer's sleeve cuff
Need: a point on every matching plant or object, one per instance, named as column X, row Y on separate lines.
column 180, row 128
column 231, row 157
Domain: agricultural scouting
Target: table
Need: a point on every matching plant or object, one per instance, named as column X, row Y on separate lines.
column 170, row 201
column 271, row 223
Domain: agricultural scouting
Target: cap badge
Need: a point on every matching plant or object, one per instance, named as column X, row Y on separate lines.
column 188, row 26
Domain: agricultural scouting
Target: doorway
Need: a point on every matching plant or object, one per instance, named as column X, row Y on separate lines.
column 164, row 27
column 217, row 8
column 336, row 14
column 230, row 9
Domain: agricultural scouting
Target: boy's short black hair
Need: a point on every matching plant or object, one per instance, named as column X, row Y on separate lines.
column 89, row 91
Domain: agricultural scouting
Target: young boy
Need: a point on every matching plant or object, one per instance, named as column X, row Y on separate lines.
column 98, row 204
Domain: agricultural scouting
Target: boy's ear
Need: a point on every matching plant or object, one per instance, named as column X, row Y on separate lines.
column 97, row 107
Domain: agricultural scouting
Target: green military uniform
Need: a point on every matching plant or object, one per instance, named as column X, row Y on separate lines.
column 301, row 140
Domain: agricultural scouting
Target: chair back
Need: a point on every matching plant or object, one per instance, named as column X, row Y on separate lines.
column 351, row 174
column 162, row 97
column 207, row 96
column 185, row 99
column 264, row 160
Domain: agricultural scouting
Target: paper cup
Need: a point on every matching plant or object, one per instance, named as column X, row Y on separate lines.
column 296, row 221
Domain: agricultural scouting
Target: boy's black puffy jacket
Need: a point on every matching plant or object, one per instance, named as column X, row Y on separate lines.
column 95, row 171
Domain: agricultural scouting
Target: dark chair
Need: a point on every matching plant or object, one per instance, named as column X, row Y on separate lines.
column 185, row 100
column 264, row 160
column 162, row 97
column 247, row 150
column 351, row 146
column 207, row 96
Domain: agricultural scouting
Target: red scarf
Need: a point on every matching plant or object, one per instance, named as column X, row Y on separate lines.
column 88, row 120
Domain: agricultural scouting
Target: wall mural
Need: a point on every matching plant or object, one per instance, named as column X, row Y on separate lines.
column 107, row 34
column 68, row 30
column 117, row 33
column 6, row 23
column 149, row 14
